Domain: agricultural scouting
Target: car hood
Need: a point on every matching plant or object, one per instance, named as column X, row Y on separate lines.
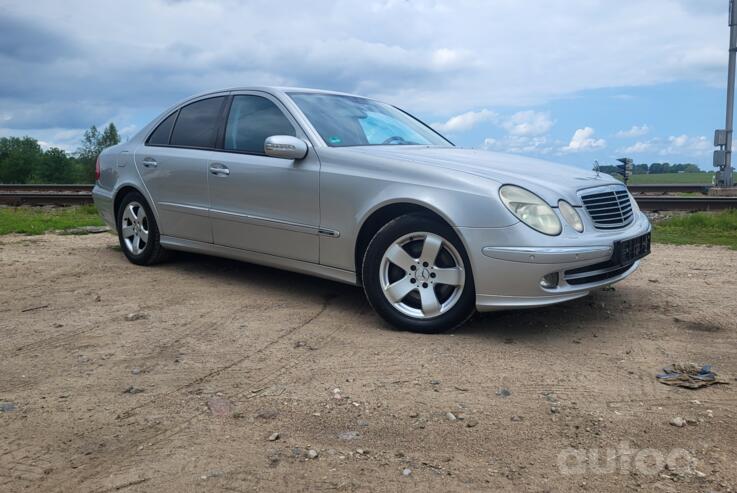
column 551, row 181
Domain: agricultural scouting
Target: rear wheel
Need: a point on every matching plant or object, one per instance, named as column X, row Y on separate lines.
column 416, row 275
column 138, row 232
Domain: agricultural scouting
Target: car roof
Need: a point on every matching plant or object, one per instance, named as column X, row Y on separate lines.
column 280, row 89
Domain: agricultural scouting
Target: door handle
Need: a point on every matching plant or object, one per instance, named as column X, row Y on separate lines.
column 150, row 162
column 219, row 169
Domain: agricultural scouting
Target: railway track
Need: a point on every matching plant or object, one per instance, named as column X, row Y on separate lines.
column 15, row 195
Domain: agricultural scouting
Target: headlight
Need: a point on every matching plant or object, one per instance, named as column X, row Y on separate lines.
column 570, row 215
column 530, row 209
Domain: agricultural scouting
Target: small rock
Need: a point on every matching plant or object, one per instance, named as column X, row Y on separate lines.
column 348, row 435
column 216, row 473
column 516, row 418
column 274, row 437
column 414, row 414
column 678, row 421
column 7, row 407
column 451, row 416
column 691, row 421
column 133, row 390
column 710, row 413
column 653, row 280
column 136, row 371
column 407, row 471
column 274, row 456
column 699, row 474
column 503, row 392
column 297, row 452
column 696, row 401
column 434, row 382
column 360, row 451
column 472, row 423
column 362, row 423
column 132, row 317
column 98, row 298
column 312, row 454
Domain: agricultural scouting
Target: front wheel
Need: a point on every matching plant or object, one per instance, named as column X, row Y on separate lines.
column 417, row 275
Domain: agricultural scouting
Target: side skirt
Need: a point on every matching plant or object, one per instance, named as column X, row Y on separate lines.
column 302, row 267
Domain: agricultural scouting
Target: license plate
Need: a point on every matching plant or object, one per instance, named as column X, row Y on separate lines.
column 627, row 251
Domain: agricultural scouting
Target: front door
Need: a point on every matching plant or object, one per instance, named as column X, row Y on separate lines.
column 173, row 165
column 261, row 203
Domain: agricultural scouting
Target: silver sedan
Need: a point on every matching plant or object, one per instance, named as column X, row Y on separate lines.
column 359, row 191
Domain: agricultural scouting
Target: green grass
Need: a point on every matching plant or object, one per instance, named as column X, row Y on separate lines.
column 700, row 228
column 36, row 220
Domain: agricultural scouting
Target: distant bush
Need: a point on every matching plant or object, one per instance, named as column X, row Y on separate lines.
column 22, row 160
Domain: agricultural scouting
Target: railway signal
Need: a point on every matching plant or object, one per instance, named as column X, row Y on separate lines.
column 625, row 169
column 723, row 138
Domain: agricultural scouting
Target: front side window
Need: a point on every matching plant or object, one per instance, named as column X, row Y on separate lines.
column 251, row 120
column 197, row 124
column 352, row 121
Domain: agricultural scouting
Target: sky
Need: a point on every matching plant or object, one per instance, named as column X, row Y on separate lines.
column 566, row 80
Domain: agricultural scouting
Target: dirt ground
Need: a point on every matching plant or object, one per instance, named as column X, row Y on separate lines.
column 221, row 356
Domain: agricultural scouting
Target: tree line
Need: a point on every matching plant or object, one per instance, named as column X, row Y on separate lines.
column 654, row 169
column 23, row 160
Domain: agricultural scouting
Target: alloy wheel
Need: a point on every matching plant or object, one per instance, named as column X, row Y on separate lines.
column 135, row 228
column 422, row 275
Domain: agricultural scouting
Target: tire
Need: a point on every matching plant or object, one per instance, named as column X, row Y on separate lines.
column 417, row 276
column 138, row 232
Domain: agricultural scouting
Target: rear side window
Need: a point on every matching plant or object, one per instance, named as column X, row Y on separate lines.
column 251, row 120
column 197, row 124
column 160, row 137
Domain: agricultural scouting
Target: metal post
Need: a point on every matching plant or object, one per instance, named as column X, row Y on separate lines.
column 726, row 178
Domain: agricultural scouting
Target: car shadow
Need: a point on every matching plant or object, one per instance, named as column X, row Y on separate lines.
column 584, row 316
column 268, row 278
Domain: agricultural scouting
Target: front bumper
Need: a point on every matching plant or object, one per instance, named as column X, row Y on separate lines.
column 507, row 275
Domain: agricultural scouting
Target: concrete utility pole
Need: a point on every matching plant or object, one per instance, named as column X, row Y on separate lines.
column 723, row 138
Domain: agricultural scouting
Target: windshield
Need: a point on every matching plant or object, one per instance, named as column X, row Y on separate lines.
column 345, row 121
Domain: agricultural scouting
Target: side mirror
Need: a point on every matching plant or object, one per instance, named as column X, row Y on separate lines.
column 285, row 146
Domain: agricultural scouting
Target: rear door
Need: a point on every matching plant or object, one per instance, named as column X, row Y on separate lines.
column 262, row 203
column 173, row 164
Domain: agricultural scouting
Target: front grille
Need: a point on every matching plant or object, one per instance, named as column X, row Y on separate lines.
column 609, row 209
column 595, row 273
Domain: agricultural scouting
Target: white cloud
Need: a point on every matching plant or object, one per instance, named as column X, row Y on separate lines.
column 465, row 121
column 683, row 144
column 583, row 140
column 635, row 131
column 676, row 145
column 528, row 123
column 638, row 148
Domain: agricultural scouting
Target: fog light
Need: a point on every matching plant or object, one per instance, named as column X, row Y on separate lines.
column 549, row 281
